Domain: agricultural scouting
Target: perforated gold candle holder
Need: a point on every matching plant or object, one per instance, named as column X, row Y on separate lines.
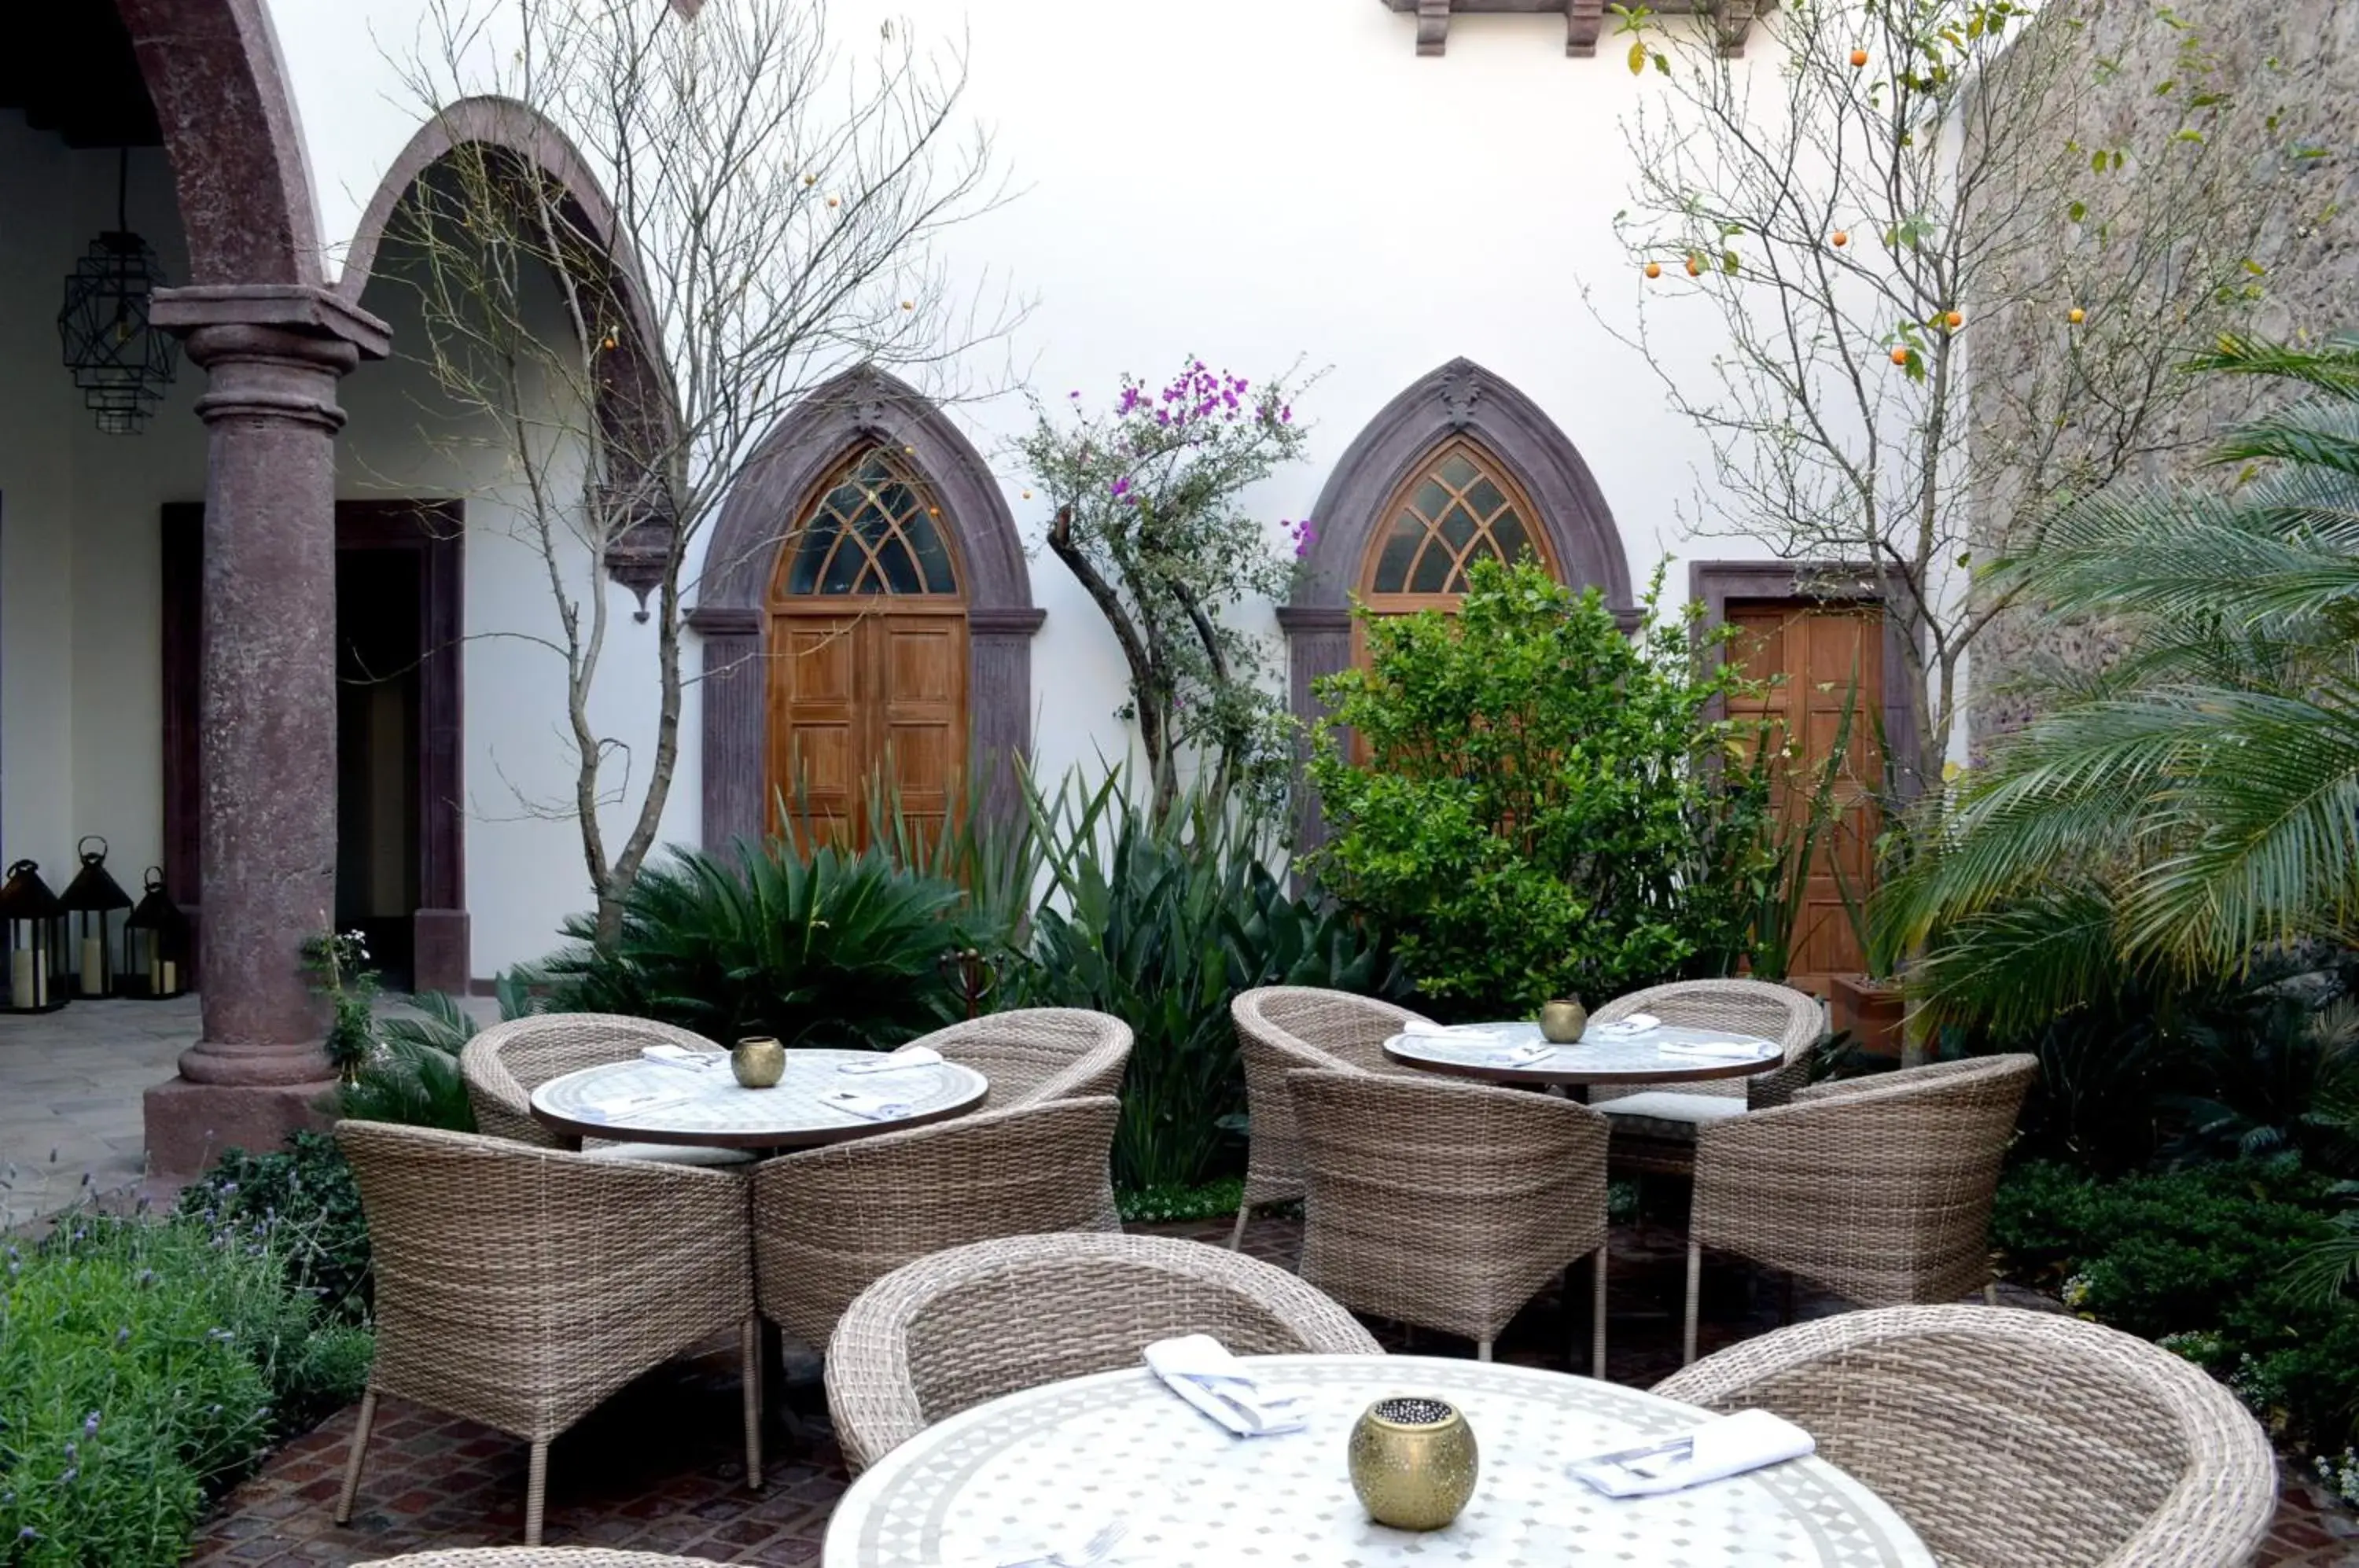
column 759, row 1063
column 1413, row 1462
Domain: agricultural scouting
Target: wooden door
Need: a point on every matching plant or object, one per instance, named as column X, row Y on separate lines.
column 1825, row 664
column 868, row 654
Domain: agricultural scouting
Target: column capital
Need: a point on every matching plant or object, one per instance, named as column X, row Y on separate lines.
column 271, row 351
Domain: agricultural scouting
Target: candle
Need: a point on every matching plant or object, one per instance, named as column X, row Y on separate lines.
column 20, row 978
column 172, row 973
column 93, row 967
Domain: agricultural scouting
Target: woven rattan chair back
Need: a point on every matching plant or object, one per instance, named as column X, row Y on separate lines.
column 537, row 1557
column 953, row 1329
column 829, row 1222
column 1793, row 1019
column 520, row 1287
column 1879, row 1189
column 2008, row 1438
column 1282, row 1029
column 1444, row 1204
column 505, row 1063
column 1032, row 1054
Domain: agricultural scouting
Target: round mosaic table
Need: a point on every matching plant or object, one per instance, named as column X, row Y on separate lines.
column 1621, row 1059
column 653, row 1102
column 1048, row 1467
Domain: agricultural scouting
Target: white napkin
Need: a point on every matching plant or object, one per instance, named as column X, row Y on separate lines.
column 908, row 1056
column 867, row 1108
column 630, row 1104
column 1724, row 1049
column 1452, row 1034
column 1200, row 1369
column 1523, row 1055
column 1622, row 1029
column 680, row 1056
column 1729, row 1445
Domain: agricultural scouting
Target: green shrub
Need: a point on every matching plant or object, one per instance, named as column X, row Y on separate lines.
column 828, row 948
column 303, row 1199
column 143, row 1363
column 2203, row 1261
column 1547, row 807
column 1161, row 922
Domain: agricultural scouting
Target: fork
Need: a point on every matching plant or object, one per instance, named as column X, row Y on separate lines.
column 1089, row 1554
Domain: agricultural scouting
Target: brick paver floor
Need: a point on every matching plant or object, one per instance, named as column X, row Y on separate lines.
column 659, row 1467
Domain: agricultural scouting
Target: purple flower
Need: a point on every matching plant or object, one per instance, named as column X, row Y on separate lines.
column 1121, row 488
column 90, row 1424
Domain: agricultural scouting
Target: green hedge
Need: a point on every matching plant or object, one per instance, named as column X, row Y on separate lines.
column 2201, row 1260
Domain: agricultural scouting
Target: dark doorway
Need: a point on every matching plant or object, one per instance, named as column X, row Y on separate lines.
column 400, row 835
column 377, row 658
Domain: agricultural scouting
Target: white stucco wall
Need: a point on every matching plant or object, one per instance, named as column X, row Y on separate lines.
column 81, row 682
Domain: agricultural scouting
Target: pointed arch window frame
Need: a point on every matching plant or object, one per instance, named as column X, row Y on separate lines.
column 1582, row 542
column 820, row 502
column 1403, row 504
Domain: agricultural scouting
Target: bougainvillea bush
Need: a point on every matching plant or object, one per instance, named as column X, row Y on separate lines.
column 1539, row 805
column 1150, row 520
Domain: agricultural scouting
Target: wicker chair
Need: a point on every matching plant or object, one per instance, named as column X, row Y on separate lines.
column 1654, row 1124
column 503, row 1063
column 1877, row 1188
column 1033, row 1054
column 1448, row 1205
column 536, row 1557
column 829, row 1222
column 2008, row 1437
column 953, row 1329
column 520, row 1287
column 1279, row 1029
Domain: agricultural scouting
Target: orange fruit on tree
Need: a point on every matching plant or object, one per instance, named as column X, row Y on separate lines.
column 1858, row 58
column 1654, row 269
column 1901, row 356
column 2078, row 316
column 1695, row 267
column 1842, row 238
column 1955, row 320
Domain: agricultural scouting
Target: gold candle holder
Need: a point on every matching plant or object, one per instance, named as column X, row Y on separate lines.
column 1563, row 1023
column 758, row 1061
column 1413, row 1462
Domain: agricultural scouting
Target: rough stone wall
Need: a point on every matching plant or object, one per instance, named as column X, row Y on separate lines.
column 2297, row 60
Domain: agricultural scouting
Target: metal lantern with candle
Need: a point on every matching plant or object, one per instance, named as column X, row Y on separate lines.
column 34, row 927
column 156, row 944
column 96, row 907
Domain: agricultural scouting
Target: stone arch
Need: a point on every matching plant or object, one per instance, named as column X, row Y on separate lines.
column 632, row 390
column 213, row 72
column 857, row 407
column 1460, row 399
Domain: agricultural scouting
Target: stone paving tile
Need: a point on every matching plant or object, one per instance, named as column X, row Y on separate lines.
column 659, row 1467
column 71, row 1084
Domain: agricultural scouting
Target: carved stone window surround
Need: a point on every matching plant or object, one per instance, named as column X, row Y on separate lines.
column 1584, row 20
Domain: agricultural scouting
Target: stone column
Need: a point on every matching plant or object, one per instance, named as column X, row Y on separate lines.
column 272, row 355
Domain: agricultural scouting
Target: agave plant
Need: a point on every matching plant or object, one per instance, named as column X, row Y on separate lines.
column 2198, row 802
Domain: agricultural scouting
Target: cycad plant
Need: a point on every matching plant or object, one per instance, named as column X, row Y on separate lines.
column 2196, row 803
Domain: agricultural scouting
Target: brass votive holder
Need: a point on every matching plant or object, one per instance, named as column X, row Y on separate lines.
column 759, row 1061
column 1563, row 1023
column 1413, row 1462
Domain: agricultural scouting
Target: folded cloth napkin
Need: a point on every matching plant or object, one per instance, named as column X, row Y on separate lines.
column 908, row 1056
column 1523, row 1055
column 867, row 1108
column 1727, row 1445
column 680, row 1056
column 1451, row 1034
column 629, row 1106
column 1724, row 1049
column 1200, row 1369
column 1636, row 1023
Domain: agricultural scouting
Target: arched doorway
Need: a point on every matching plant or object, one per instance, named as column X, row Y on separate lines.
column 828, row 635
column 867, row 650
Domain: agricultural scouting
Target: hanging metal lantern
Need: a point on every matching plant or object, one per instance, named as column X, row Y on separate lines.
column 156, row 944
column 95, row 905
column 121, row 361
column 33, row 924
